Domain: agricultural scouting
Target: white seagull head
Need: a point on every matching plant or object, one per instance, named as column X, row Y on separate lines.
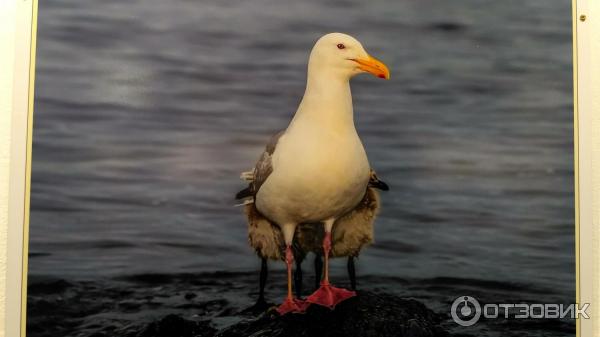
column 342, row 56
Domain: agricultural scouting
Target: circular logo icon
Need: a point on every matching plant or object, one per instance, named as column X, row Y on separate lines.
column 465, row 310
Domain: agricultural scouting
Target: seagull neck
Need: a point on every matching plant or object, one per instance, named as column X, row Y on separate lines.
column 327, row 101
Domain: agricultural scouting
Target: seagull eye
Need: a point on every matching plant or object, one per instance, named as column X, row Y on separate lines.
column 341, row 46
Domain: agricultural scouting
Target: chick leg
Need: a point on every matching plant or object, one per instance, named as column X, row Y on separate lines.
column 264, row 271
column 298, row 278
column 318, row 270
column 261, row 304
column 352, row 273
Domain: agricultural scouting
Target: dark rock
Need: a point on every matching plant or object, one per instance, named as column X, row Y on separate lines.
column 259, row 307
column 368, row 314
column 177, row 326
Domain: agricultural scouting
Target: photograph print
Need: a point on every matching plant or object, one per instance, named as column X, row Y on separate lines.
column 276, row 168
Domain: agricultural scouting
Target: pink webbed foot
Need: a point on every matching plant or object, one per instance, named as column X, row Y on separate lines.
column 329, row 296
column 292, row 305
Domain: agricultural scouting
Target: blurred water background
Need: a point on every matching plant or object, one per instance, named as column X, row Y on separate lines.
column 147, row 111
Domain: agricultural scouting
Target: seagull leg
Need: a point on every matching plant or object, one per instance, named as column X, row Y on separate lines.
column 290, row 304
column 328, row 295
column 318, row 270
column 352, row 273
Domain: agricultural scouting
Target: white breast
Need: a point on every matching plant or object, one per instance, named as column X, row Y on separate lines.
column 318, row 174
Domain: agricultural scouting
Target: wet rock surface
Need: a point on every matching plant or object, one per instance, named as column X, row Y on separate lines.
column 176, row 326
column 368, row 314
column 221, row 304
column 193, row 306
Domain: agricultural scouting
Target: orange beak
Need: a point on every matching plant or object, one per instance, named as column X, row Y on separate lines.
column 373, row 66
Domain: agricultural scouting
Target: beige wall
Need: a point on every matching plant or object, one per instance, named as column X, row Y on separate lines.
column 7, row 42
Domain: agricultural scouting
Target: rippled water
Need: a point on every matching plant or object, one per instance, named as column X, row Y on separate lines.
column 146, row 112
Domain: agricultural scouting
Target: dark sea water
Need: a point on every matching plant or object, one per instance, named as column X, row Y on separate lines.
column 147, row 111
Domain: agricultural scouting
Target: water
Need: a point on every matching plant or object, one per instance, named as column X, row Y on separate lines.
column 147, row 111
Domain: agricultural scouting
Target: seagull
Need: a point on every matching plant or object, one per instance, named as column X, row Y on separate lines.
column 350, row 234
column 317, row 170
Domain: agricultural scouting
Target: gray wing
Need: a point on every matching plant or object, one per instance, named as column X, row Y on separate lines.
column 262, row 170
